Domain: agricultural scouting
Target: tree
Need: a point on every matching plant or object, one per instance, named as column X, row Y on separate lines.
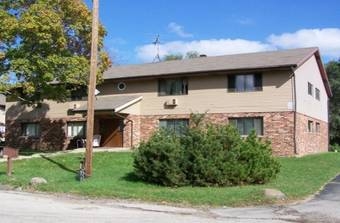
column 333, row 70
column 192, row 54
column 173, row 57
column 45, row 47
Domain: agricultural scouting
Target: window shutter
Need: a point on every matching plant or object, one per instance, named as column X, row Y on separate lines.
column 231, row 83
column 258, row 82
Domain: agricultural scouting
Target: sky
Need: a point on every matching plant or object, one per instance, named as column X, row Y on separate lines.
column 217, row 27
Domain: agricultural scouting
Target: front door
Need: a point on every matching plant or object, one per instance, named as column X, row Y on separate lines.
column 109, row 129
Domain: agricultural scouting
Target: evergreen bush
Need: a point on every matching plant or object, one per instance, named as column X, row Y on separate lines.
column 205, row 155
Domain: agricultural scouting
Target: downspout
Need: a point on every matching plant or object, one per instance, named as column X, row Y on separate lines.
column 294, row 110
column 131, row 129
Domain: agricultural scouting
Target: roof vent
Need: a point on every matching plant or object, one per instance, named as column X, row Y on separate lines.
column 203, row 55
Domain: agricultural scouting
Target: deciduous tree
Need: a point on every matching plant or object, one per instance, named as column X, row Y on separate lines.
column 45, row 48
column 333, row 70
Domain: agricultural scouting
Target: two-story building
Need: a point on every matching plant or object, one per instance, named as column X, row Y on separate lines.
column 283, row 95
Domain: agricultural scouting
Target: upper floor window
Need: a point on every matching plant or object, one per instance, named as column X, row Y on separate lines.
column 75, row 129
column 79, row 93
column 244, row 82
column 317, row 94
column 176, row 125
column 310, row 89
column 172, row 86
column 247, row 124
column 30, row 129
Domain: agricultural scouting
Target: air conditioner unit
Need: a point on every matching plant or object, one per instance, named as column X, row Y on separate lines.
column 172, row 102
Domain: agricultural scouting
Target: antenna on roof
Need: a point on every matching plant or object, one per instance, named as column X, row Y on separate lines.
column 156, row 43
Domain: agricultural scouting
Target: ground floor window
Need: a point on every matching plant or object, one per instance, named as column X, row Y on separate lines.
column 31, row 129
column 76, row 129
column 246, row 125
column 310, row 126
column 176, row 125
column 317, row 127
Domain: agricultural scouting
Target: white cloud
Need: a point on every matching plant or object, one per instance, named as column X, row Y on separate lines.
column 328, row 40
column 178, row 30
column 212, row 47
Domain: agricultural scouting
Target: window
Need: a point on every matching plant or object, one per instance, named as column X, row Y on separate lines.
column 244, row 82
column 177, row 86
column 31, row 129
column 76, row 129
column 176, row 125
column 317, row 127
column 310, row 126
column 310, row 89
column 317, row 94
column 79, row 93
column 246, row 125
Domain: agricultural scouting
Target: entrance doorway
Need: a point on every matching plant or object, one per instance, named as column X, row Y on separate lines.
column 110, row 130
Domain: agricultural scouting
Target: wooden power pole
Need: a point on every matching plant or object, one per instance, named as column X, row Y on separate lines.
column 91, row 89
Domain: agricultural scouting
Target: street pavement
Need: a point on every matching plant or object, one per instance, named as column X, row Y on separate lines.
column 16, row 206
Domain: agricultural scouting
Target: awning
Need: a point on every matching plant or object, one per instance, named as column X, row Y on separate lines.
column 111, row 103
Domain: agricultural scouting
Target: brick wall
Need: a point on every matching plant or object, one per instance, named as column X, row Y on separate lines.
column 310, row 142
column 278, row 127
column 52, row 135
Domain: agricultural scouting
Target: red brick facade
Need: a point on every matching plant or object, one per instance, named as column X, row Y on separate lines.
column 52, row 135
column 278, row 128
column 314, row 140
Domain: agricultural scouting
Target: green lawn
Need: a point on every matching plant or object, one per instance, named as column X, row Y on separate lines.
column 112, row 178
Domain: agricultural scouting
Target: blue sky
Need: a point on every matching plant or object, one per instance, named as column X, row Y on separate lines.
column 218, row 27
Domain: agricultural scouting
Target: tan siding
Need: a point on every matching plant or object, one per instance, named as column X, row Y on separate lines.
column 209, row 93
column 307, row 104
column 49, row 109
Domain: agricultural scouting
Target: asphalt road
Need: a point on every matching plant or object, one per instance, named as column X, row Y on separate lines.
column 35, row 207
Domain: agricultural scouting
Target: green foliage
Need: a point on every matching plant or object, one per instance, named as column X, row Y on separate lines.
column 205, row 155
column 44, row 42
column 333, row 71
column 335, row 148
column 159, row 160
column 173, row 57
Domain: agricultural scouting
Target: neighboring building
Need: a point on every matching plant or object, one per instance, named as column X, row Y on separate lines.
column 283, row 95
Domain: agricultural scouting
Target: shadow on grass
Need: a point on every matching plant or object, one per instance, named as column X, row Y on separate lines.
column 3, row 173
column 59, row 164
column 132, row 177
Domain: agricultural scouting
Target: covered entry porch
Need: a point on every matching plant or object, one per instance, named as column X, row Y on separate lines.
column 112, row 122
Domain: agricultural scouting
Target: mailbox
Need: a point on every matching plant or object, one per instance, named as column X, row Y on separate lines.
column 10, row 152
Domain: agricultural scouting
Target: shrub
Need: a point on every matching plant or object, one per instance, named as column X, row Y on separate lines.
column 335, row 148
column 159, row 160
column 209, row 155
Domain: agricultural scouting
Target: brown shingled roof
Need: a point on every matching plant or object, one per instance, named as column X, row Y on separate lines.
column 260, row 60
column 111, row 103
column 292, row 58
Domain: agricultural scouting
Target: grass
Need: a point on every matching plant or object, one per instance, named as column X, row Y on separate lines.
column 112, row 178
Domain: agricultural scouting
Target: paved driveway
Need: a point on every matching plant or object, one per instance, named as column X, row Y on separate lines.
column 27, row 207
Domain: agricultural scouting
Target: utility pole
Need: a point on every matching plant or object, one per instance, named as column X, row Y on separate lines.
column 91, row 89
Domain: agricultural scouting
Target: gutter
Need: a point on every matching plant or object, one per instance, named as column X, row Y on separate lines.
column 294, row 109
